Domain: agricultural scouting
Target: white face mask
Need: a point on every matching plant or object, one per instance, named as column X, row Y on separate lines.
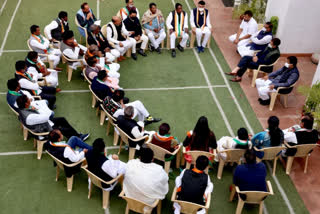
column 269, row 45
column 131, row 5
column 286, row 65
column 264, row 29
column 201, row 9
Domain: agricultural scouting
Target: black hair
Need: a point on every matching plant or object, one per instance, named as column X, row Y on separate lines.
column 12, row 84
column 177, row 5
column 276, row 134
column 54, row 135
column 67, row 35
column 202, row 3
column 83, row 5
column 132, row 11
column 62, row 14
column 102, row 74
column 21, row 101
column 307, row 121
column 91, row 61
column 202, row 162
column 293, row 60
column 98, row 146
column 127, row 1
column 248, row 12
column 201, row 134
column 276, row 41
column 20, row 65
column 270, row 25
column 146, row 155
column 250, row 156
column 152, row 4
column 164, row 129
column 243, row 134
column 32, row 55
column 118, row 95
column 33, row 28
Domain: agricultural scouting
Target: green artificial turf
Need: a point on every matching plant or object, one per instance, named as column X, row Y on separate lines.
column 28, row 185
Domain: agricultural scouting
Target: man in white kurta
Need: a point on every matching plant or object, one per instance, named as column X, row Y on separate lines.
column 145, row 181
column 200, row 24
column 247, row 28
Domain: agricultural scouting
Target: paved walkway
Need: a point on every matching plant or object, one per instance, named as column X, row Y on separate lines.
column 308, row 185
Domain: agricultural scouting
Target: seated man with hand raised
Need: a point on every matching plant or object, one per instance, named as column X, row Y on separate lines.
column 103, row 85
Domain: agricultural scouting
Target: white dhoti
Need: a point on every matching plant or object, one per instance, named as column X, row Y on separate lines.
column 183, row 43
column 126, row 45
column 112, row 55
column 240, row 43
column 161, row 35
column 144, row 41
column 52, row 79
column 139, row 110
column 113, row 70
column 54, row 56
column 206, row 33
column 263, row 88
column 244, row 50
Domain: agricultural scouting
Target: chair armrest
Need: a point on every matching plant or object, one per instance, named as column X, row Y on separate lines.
column 174, row 194
column 176, row 151
column 121, row 194
column 184, row 150
column 258, row 150
column 237, row 189
column 141, row 138
column 75, row 164
column 269, row 186
column 288, row 146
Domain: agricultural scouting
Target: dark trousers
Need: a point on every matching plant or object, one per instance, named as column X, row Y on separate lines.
column 63, row 125
column 245, row 63
column 48, row 93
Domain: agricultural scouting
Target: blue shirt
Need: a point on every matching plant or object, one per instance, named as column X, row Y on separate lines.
column 154, row 25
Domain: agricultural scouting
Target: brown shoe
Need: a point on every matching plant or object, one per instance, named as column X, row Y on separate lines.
column 58, row 90
column 58, row 69
column 122, row 58
column 236, row 79
column 119, row 59
column 230, row 73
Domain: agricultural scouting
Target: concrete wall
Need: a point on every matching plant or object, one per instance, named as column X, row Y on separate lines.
column 299, row 26
column 316, row 77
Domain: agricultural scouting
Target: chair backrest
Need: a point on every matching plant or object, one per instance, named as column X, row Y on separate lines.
column 136, row 205
column 96, row 180
column 188, row 207
column 303, row 150
column 195, row 154
column 255, row 197
column 125, row 138
column 270, row 153
column 29, row 46
column 85, row 76
column 97, row 98
column 234, row 155
column 110, row 117
column 61, row 164
column 14, row 111
column 159, row 152
column 286, row 90
column 104, row 30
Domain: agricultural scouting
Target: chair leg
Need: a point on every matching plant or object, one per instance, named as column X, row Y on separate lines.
column 162, row 44
column 193, row 38
column 94, row 101
column 209, row 41
column 120, row 146
column 102, row 117
column 105, row 199
column 90, row 189
column 128, row 53
column 108, row 127
column 183, row 161
column 115, row 138
column 188, row 165
column 285, row 100
column 168, row 41
column 51, row 64
column 127, row 209
column 239, row 206
column 274, row 166
column 167, row 166
column 232, row 193
column 69, row 71
column 220, row 168
column 273, row 100
column 132, row 151
column 289, row 164
column 306, row 164
column 34, row 143
column 261, row 207
column 25, row 134
column 39, row 148
column 69, row 183
column 97, row 111
column 159, row 207
column 178, row 159
column 254, row 77
column 57, row 173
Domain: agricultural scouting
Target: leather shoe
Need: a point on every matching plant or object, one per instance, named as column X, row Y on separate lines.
column 236, row 79
column 230, row 73
column 173, row 53
column 180, row 48
column 134, row 56
column 142, row 53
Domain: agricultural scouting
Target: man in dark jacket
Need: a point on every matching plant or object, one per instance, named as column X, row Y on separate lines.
column 133, row 25
column 284, row 77
column 265, row 57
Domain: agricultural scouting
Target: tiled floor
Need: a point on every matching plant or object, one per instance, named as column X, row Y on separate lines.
column 308, row 185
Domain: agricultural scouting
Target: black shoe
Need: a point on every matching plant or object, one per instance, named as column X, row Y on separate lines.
column 151, row 48
column 126, row 100
column 142, row 53
column 158, row 50
column 150, row 119
column 199, row 49
column 134, row 56
column 173, row 53
column 265, row 102
column 259, row 99
column 180, row 48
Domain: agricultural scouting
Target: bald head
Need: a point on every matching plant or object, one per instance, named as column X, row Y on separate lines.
column 116, row 20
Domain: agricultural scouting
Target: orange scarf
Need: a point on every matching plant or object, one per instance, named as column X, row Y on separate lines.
column 178, row 24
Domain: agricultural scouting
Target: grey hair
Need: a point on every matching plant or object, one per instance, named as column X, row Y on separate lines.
column 93, row 48
column 128, row 111
column 93, row 27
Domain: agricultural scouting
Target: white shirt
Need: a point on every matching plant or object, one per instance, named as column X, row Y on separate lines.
column 113, row 167
column 109, row 34
column 35, row 119
column 27, row 84
column 192, row 23
column 250, row 27
column 169, row 20
column 36, row 44
column 73, row 156
column 50, row 27
column 72, row 54
column 209, row 187
column 265, row 40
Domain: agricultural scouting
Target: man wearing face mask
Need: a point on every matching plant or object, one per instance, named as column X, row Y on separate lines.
column 124, row 12
column 266, row 57
column 132, row 24
column 247, row 28
column 120, row 37
column 177, row 23
column 284, row 77
column 57, row 27
column 259, row 41
column 200, row 24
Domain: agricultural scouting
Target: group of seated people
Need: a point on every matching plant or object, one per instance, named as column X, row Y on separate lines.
column 259, row 47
